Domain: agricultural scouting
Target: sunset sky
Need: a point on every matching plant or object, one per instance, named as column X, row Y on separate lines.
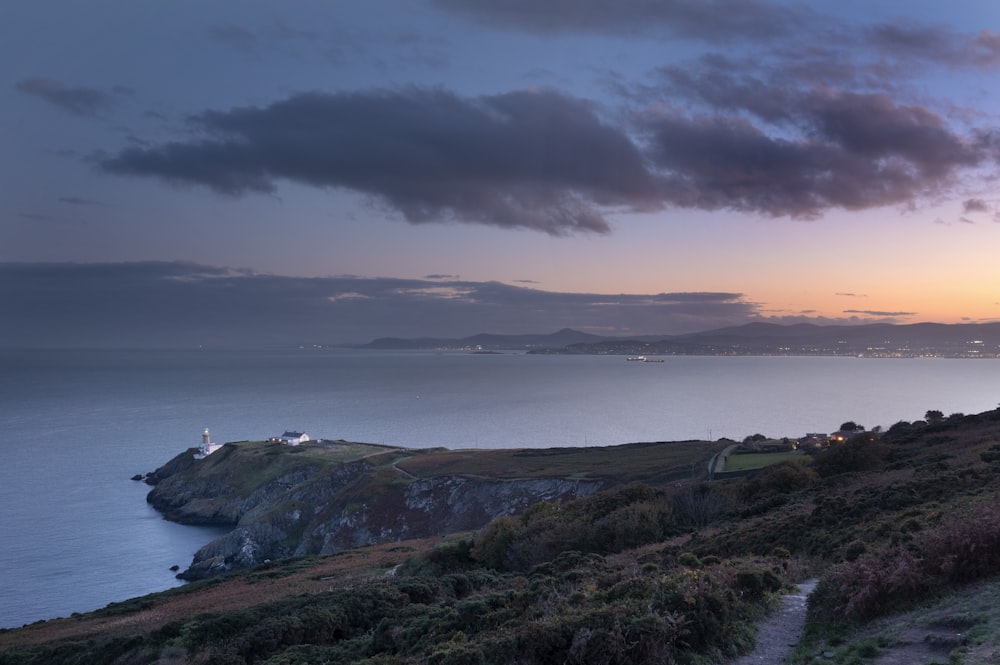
column 447, row 167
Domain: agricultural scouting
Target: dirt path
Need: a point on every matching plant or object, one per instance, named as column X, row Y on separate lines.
column 779, row 633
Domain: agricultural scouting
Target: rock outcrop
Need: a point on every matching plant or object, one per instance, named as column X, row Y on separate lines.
column 282, row 504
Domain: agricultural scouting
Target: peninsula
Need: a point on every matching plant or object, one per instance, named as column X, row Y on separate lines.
column 324, row 497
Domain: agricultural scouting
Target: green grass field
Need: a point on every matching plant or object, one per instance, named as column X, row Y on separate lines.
column 760, row 460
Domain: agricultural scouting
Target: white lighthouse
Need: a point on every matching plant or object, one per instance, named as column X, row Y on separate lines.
column 207, row 447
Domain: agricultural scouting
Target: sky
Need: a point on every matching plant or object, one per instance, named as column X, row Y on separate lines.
column 315, row 171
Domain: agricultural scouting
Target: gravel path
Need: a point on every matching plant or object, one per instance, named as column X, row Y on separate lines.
column 779, row 633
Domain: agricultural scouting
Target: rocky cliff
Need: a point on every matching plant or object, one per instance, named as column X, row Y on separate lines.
column 328, row 497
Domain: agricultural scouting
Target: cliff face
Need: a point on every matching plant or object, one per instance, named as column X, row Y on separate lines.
column 284, row 504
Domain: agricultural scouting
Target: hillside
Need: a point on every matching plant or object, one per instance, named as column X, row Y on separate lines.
column 325, row 497
column 637, row 573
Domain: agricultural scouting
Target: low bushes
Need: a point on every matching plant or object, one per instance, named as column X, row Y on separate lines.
column 607, row 522
column 961, row 550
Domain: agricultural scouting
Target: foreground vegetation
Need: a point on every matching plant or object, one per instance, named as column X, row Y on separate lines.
column 650, row 572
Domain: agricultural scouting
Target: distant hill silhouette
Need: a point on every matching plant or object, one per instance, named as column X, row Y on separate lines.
column 561, row 338
column 758, row 338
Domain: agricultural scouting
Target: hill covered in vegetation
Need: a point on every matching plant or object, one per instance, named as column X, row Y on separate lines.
column 327, row 496
column 656, row 570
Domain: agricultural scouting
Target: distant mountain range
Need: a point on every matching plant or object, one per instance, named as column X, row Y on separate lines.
column 967, row 340
column 562, row 338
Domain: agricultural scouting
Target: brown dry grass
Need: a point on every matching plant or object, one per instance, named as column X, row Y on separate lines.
column 311, row 576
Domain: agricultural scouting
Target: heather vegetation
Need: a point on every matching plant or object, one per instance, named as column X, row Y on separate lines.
column 675, row 572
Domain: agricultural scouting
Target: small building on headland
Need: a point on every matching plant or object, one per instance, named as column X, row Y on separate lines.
column 207, row 447
column 814, row 440
column 293, row 438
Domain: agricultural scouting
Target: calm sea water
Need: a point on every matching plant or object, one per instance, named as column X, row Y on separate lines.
column 77, row 533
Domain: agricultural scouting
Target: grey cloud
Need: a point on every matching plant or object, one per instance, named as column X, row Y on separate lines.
column 771, row 24
column 975, row 205
column 537, row 160
column 851, row 295
column 548, row 162
column 76, row 200
column 937, row 44
column 235, row 37
column 34, row 217
column 180, row 304
column 758, row 140
column 79, row 99
column 253, row 41
column 870, row 312
column 441, row 276
column 710, row 20
column 729, row 163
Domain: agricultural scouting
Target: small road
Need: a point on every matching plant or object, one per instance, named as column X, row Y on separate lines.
column 405, row 474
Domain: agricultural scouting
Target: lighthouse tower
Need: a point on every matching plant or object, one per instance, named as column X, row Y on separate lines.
column 207, row 447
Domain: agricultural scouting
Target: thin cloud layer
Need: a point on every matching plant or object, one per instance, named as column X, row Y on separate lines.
column 79, row 100
column 154, row 304
column 932, row 43
column 537, row 160
column 709, row 20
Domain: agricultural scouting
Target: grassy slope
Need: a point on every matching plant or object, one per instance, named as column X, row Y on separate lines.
column 645, row 462
column 903, row 493
column 250, row 464
column 759, row 460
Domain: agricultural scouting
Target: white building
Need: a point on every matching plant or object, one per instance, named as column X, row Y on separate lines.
column 207, row 447
column 294, row 438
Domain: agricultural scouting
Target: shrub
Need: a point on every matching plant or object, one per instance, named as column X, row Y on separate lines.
column 689, row 559
column 777, row 479
column 964, row 549
column 604, row 523
column 855, row 549
column 859, row 453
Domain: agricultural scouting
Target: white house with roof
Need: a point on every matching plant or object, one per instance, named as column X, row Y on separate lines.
column 294, row 438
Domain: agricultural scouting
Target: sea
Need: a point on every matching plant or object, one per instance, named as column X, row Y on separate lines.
column 76, row 533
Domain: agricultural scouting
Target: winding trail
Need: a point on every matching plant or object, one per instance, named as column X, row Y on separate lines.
column 779, row 633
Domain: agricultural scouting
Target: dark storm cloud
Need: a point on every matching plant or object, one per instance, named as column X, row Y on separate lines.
column 75, row 99
column 180, row 304
column 710, row 20
column 538, row 160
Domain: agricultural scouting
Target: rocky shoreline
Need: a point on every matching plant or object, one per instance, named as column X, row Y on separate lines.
column 286, row 502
